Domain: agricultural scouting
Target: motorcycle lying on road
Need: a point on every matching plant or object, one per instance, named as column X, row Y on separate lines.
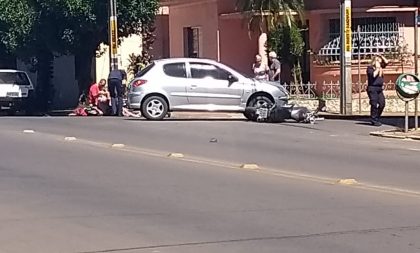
column 278, row 114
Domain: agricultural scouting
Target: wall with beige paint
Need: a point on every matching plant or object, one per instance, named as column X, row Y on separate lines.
column 129, row 45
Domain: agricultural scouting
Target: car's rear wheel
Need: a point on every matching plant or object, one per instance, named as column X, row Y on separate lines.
column 154, row 108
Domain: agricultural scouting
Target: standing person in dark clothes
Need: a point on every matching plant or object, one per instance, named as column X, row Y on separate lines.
column 375, row 76
column 275, row 67
column 116, row 90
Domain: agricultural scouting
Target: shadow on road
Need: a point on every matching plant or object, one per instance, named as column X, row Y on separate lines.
column 186, row 119
column 397, row 122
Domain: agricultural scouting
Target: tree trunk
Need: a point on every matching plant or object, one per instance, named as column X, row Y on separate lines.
column 84, row 56
column 45, row 88
column 83, row 64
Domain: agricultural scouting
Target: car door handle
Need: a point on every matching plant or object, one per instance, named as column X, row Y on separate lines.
column 193, row 86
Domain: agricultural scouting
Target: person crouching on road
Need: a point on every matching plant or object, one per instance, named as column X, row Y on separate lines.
column 96, row 93
column 375, row 77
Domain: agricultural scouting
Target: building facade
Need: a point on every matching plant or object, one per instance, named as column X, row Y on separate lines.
column 216, row 29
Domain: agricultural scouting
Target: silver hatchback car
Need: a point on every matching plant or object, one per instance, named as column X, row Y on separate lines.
column 191, row 84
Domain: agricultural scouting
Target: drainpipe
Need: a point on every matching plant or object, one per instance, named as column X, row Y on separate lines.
column 218, row 45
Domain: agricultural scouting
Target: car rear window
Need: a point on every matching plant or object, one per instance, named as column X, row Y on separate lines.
column 145, row 70
column 175, row 70
column 19, row 78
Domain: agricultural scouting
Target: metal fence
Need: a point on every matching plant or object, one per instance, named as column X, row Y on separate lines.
column 327, row 90
column 368, row 40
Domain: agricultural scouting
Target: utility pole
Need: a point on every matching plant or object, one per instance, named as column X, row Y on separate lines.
column 416, row 64
column 113, row 35
column 346, row 81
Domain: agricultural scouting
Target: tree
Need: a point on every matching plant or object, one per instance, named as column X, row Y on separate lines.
column 16, row 21
column 49, row 28
column 85, row 27
column 281, row 19
column 269, row 13
column 289, row 43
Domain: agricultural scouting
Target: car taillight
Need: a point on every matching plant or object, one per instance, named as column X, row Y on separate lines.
column 138, row 83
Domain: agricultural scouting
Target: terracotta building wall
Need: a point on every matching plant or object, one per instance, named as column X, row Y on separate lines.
column 203, row 15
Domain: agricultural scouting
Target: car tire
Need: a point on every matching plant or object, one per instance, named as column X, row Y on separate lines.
column 260, row 100
column 250, row 114
column 11, row 112
column 154, row 108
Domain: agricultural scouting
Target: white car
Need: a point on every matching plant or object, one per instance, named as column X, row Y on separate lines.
column 15, row 89
column 191, row 84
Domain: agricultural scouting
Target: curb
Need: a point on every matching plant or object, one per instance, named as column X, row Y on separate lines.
column 395, row 135
column 356, row 116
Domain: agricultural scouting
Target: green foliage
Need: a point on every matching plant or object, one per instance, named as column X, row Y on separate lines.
column 270, row 13
column 16, row 21
column 68, row 26
column 31, row 28
column 289, row 44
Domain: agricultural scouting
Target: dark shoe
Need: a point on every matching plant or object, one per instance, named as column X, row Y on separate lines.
column 376, row 123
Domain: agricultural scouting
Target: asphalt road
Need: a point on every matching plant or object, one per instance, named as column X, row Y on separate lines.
column 83, row 195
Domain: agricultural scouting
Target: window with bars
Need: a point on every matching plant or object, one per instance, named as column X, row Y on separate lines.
column 367, row 24
column 378, row 35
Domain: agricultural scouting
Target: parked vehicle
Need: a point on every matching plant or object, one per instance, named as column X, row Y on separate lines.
column 191, row 84
column 15, row 90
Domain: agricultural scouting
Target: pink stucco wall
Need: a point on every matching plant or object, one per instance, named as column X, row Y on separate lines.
column 227, row 6
column 332, row 4
column 237, row 48
column 319, row 38
column 161, row 43
column 202, row 15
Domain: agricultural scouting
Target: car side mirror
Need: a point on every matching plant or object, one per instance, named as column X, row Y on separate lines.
column 232, row 79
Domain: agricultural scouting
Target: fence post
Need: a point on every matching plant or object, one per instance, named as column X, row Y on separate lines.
column 359, row 68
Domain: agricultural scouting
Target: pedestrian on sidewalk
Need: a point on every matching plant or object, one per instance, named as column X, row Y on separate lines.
column 116, row 91
column 275, row 67
column 260, row 69
column 375, row 76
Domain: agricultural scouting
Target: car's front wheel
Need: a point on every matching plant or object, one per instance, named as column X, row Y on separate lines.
column 154, row 108
column 260, row 101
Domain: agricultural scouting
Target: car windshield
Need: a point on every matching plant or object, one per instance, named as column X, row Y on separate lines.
column 18, row 78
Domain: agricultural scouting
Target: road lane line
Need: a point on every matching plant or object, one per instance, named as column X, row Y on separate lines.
column 414, row 149
column 238, row 166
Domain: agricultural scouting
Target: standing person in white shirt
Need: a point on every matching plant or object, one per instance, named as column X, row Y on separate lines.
column 260, row 69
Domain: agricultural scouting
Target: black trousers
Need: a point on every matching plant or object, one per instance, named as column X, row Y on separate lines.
column 115, row 88
column 377, row 102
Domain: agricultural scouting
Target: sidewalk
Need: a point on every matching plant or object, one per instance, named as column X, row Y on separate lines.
column 364, row 115
column 396, row 119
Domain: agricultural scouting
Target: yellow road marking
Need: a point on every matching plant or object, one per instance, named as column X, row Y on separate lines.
column 260, row 170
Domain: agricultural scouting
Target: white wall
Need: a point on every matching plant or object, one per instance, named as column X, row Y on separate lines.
column 66, row 89
column 129, row 45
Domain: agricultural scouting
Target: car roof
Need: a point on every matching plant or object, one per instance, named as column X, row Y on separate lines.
column 10, row 71
column 174, row 60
